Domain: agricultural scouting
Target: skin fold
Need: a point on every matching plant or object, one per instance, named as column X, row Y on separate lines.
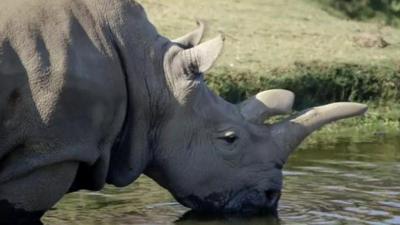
column 91, row 94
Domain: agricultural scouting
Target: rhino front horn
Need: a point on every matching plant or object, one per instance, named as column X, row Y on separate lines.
column 290, row 133
column 266, row 104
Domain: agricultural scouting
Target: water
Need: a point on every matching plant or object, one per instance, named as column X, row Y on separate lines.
column 328, row 181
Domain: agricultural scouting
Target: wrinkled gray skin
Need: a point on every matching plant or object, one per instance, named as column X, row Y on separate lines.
column 91, row 94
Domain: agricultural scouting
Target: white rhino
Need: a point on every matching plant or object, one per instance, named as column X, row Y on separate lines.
column 91, row 93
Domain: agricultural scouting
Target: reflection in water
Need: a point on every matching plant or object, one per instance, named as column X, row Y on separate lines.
column 191, row 218
column 326, row 182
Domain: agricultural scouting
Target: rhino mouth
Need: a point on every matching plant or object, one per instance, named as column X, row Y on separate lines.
column 244, row 202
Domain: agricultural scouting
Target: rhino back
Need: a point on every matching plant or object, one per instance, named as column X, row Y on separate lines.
column 62, row 89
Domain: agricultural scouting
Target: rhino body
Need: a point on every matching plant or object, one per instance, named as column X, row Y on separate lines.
column 91, row 94
column 63, row 94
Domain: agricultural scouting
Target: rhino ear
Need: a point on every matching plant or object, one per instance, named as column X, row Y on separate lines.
column 266, row 104
column 193, row 38
column 202, row 57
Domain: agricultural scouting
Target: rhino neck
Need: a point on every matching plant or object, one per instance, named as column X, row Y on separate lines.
column 140, row 50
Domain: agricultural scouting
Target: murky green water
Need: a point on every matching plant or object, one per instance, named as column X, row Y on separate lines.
column 334, row 181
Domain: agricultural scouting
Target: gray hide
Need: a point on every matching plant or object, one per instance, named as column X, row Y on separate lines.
column 90, row 94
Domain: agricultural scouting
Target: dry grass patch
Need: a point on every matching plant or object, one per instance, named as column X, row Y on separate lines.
column 268, row 34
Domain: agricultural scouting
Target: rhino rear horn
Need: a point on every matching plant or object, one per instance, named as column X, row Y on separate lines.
column 193, row 38
column 266, row 104
column 202, row 57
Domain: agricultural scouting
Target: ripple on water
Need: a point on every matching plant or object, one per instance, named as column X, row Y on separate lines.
column 347, row 163
column 391, row 204
column 395, row 220
column 319, row 169
column 294, row 173
column 366, row 211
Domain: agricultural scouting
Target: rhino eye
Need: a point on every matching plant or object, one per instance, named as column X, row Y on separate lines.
column 229, row 137
column 196, row 76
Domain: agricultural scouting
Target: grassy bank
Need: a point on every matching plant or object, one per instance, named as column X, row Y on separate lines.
column 262, row 35
column 319, row 83
column 314, row 83
column 297, row 45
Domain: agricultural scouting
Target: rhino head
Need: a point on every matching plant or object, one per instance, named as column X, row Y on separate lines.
column 218, row 157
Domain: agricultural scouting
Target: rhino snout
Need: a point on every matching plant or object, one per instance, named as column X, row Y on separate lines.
column 243, row 202
column 254, row 202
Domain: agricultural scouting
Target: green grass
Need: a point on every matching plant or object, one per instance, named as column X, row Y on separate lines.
column 262, row 35
column 296, row 45
column 313, row 82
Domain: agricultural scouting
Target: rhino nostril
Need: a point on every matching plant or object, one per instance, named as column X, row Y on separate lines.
column 272, row 197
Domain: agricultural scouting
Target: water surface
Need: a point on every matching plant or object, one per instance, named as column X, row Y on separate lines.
column 328, row 181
